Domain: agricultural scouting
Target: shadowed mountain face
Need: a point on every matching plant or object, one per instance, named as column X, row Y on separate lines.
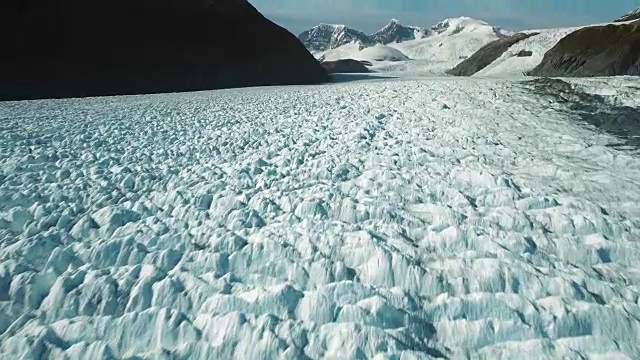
column 346, row 66
column 72, row 48
column 487, row 54
column 594, row 51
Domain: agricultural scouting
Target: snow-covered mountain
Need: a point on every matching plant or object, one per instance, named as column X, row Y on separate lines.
column 446, row 44
column 454, row 26
column 452, row 40
column 327, row 36
column 436, row 49
column 394, row 32
column 633, row 15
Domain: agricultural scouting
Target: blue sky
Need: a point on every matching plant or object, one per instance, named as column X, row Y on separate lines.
column 369, row 15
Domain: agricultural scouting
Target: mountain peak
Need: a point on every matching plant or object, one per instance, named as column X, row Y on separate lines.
column 330, row 36
column 454, row 26
column 392, row 24
column 633, row 15
column 325, row 37
column 327, row 25
column 394, row 32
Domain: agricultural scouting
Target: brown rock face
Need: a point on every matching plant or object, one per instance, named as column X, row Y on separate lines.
column 487, row 54
column 74, row 48
column 594, row 51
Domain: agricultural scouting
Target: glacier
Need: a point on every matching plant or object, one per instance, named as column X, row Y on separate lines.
column 398, row 218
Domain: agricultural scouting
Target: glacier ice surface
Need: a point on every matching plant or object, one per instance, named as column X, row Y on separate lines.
column 353, row 220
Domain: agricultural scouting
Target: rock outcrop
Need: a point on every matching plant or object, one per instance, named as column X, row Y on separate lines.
column 346, row 66
column 73, row 48
column 594, row 51
column 524, row 53
column 487, row 54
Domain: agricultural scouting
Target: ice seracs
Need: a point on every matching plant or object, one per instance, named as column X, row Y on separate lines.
column 362, row 219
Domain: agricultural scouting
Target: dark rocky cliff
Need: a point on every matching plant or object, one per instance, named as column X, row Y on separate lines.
column 594, row 51
column 74, row 48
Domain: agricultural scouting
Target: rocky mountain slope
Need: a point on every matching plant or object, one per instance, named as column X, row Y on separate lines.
column 512, row 62
column 488, row 54
column 594, row 51
column 394, row 32
column 326, row 36
column 71, row 48
column 589, row 50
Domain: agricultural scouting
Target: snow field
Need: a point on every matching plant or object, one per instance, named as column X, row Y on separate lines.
column 456, row 40
column 378, row 55
column 381, row 53
column 347, row 51
column 386, row 219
